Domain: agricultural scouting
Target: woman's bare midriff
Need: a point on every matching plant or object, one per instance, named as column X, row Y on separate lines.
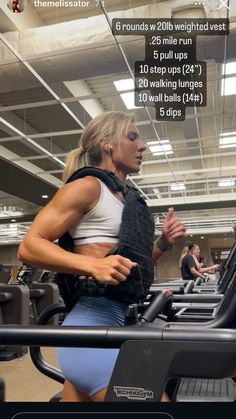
column 96, row 250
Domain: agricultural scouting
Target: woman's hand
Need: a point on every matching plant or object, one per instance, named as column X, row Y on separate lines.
column 111, row 269
column 172, row 228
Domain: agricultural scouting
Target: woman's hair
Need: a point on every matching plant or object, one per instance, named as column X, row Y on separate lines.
column 109, row 126
column 188, row 248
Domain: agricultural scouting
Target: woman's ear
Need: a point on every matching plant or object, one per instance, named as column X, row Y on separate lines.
column 105, row 146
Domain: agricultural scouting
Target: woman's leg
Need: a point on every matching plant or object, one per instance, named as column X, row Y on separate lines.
column 72, row 394
column 90, row 368
column 164, row 397
column 99, row 396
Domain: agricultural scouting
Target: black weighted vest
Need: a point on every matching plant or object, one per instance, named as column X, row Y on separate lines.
column 135, row 242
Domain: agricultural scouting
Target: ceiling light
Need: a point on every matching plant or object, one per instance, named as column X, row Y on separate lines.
column 228, row 134
column 80, row 88
column 228, row 139
column 229, row 68
column 128, row 99
column 226, row 183
column 161, row 147
column 161, row 153
column 44, row 196
column 13, row 220
column 202, row 237
column 125, row 84
column 177, row 187
column 228, row 86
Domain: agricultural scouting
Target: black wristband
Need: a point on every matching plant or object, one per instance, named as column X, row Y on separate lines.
column 162, row 245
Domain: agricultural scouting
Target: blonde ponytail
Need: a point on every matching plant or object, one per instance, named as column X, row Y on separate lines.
column 185, row 252
column 74, row 160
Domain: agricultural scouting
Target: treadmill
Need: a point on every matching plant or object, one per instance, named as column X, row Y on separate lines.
column 144, row 341
column 5, row 273
column 199, row 286
column 163, row 353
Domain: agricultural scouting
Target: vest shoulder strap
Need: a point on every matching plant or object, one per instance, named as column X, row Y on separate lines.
column 105, row 176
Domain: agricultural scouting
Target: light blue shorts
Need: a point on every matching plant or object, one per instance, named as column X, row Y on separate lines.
column 90, row 369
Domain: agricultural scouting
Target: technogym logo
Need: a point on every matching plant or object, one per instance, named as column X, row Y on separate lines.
column 133, row 393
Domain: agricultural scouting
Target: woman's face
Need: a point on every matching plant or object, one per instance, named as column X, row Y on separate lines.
column 127, row 152
column 196, row 251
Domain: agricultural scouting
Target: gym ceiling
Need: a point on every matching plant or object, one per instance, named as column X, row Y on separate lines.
column 57, row 70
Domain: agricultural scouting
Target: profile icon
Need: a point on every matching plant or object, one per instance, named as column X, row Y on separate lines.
column 16, row 6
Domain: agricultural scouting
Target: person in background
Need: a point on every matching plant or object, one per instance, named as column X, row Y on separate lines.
column 202, row 261
column 188, row 263
column 202, row 268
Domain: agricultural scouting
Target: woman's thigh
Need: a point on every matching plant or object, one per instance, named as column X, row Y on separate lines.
column 90, row 369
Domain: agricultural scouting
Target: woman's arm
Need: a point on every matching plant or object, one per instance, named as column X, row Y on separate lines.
column 64, row 210
column 196, row 273
column 209, row 268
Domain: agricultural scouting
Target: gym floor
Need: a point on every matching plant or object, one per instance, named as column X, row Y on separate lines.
column 24, row 383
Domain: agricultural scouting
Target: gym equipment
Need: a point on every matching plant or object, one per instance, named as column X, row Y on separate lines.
column 28, row 274
column 216, row 391
column 43, row 295
column 169, row 357
column 213, row 352
column 186, row 293
column 206, row 295
column 15, row 304
column 178, row 287
column 5, row 273
column 199, row 286
column 206, row 390
column 14, row 309
column 160, row 303
column 205, row 312
column 2, row 391
column 162, row 353
column 206, row 307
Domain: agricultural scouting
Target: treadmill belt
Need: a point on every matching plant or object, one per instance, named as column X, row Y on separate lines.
column 206, row 390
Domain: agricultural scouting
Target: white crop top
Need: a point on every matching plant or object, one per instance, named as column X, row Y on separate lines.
column 102, row 223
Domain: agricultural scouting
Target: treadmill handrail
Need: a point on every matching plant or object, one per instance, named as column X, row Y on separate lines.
column 105, row 337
